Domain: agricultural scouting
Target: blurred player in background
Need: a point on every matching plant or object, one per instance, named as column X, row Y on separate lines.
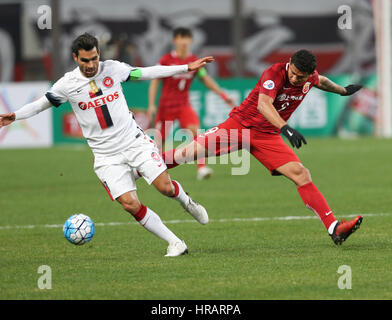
column 174, row 101
column 95, row 94
column 263, row 114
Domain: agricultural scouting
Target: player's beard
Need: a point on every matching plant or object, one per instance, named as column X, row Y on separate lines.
column 89, row 72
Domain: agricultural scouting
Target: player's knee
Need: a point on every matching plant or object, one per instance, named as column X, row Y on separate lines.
column 186, row 154
column 183, row 153
column 169, row 190
column 166, row 188
column 306, row 175
column 302, row 175
column 132, row 205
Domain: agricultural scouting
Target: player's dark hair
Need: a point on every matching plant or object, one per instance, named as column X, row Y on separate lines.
column 183, row 32
column 304, row 60
column 84, row 42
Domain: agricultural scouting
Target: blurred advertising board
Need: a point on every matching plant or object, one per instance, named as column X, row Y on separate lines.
column 33, row 132
column 320, row 114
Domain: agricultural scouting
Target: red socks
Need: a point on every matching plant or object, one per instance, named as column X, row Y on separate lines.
column 168, row 158
column 141, row 213
column 201, row 165
column 176, row 189
column 314, row 200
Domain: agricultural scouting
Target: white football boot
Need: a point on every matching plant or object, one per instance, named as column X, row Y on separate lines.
column 204, row 173
column 196, row 210
column 176, row 249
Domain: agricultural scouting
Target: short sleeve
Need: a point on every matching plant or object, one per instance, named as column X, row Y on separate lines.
column 270, row 82
column 57, row 93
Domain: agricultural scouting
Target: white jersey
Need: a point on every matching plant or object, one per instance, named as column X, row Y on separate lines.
column 99, row 105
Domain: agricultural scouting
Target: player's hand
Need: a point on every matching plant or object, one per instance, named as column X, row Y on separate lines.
column 6, row 119
column 227, row 99
column 151, row 111
column 293, row 135
column 230, row 102
column 351, row 89
column 200, row 63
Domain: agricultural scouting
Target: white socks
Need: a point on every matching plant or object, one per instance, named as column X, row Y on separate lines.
column 153, row 223
column 180, row 194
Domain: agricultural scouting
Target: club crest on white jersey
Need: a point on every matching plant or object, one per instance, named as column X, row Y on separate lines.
column 99, row 106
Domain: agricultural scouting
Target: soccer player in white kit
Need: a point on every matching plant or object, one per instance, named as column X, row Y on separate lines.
column 117, row 142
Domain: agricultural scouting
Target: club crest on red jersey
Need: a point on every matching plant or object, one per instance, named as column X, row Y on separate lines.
column 306, row 87
column 108, row 82
column 269, row 84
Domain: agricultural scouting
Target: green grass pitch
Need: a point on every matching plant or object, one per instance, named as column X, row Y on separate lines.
column 246, row 252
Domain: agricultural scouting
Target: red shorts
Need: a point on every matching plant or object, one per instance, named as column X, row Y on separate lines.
column 166, row 116
column 269, row 149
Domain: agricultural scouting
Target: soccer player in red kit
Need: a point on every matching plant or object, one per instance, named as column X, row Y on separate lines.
column 263, row 114
column 174, row 101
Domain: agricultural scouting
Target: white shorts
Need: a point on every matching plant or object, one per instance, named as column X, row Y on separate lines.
column 115, row 171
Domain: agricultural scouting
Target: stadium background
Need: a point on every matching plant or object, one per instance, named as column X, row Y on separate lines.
column 245, row 37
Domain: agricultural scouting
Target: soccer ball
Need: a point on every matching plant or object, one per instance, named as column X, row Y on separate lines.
column 79, row 229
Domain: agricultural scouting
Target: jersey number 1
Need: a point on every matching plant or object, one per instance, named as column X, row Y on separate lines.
column 102, row 112
column 103, row 115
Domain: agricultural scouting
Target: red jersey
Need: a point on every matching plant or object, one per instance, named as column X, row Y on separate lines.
column 175, row 89
column 275, row 83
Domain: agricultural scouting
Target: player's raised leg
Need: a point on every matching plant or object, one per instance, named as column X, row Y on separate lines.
column 310, row 195
column 315, row 201
column 119, row 182
column 173, row 189
column 175, row 157
column 214, row 142
column 147, row 163
column 192, row 123
column 188, row 153
column 152, row 222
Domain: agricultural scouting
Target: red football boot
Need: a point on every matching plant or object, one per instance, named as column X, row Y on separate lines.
column 344, row 228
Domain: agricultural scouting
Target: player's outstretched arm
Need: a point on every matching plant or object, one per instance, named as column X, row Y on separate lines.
column 155, row 72
column 330, row 86
column 200, row 63
column 213, row 86
column 27, row 111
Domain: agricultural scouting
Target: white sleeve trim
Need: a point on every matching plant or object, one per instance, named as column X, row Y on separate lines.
column 33, row 108
column 159, row 71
